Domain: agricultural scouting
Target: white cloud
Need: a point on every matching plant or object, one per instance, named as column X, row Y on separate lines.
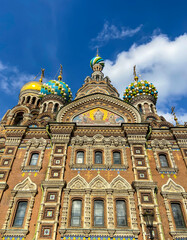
column 161, row 61
column 11, row 79
column 110, row 32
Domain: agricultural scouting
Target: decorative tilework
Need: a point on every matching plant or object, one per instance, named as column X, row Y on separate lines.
column 13, row 238
column 99, row 169
column 98, row 238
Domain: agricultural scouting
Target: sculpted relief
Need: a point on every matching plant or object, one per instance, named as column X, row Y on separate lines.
column 98, row 116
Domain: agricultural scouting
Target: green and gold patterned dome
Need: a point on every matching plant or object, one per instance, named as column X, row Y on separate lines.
column 138, row 88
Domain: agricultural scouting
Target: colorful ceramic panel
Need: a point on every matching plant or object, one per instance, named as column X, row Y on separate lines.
column 98, row 238
column 98, row 116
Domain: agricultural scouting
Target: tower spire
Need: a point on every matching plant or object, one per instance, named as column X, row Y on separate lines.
column 60, row 76
column 97, row 55
column 42, row 75
column 135, row 76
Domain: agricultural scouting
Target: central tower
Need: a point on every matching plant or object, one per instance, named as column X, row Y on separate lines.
column 97, row 83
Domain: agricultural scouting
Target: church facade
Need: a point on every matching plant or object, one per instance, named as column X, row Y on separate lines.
column 92, row 168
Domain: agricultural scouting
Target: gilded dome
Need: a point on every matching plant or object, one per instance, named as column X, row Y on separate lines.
column 33, row 85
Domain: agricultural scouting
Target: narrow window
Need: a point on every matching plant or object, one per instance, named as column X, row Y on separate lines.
column 177, row 215
column 117, row 157
column 140, row 108
column 38, row 102
column 152, row 110
column 34, row 159
column 98, row 213
column 20, row 214
column 121, row 213
column 23, row 100
column 76, row 213
column 80, row 157
column 98, row 157
column 44, row 107
column 28, row 99
column 33, row 100
column 56, row 107
column 163, row 160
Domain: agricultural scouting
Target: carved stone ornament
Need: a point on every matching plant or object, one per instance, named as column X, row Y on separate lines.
column 172, row 187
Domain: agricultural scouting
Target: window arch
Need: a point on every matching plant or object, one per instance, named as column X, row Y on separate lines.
column 56, row 107
column 121, row 213
column 117, row 157
column 163, row 160
column 152, row 109
column 20, row 214
column 38, row 102
column 33, row 100
column 28, row 99
column 34, row 159
column 44, row 107
column 80, row 157
column 98, row 157
column 19, row 118
column 140, row 108
column 76, row 211
column 23, row 100
column 98, row 213
column 178, row 215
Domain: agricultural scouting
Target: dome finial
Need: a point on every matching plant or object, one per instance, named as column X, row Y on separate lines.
column 175, row 117
column 135, row 76
column 60, row 76
column 97, row 55
column 42, row 75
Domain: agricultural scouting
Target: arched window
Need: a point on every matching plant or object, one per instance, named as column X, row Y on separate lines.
column 98, row 157
column 34, row 159
column 20, row 214
column 177, row 215
column 44, row 107
column 33, row 100
column 152, row 109
column 19, row 118
column 163, row 160
column 140, row 108
column 117, row 157
column 98, row 213
column 38, row 102
column 28, row 99
column 121, row 213
column 23, row 100
column 80, row 157
column 56, row 107
column 76, row 213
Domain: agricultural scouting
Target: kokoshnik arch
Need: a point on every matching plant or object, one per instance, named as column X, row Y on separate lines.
column 92, row 167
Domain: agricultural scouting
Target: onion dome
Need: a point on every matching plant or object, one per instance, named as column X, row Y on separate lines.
column 33, row 85
column 97, row 60
column 58, row 88
column 138, row 88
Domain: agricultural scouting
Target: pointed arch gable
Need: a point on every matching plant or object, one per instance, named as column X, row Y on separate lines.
column 99, row 183
column 77, row 182
column 119, row 183
column 172, row 187
column 26, row 186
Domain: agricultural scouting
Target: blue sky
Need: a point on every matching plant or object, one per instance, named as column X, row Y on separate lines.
column 45, row 33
